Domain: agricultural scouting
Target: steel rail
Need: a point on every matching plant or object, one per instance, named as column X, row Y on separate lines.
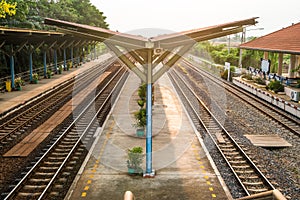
column 19, row 185
column 249, row 161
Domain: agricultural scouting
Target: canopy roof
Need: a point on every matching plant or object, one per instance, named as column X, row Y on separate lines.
column 286, row 40
column 18, row 36
column 164, row 41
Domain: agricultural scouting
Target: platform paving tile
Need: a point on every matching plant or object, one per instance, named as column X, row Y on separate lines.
column 183, row 170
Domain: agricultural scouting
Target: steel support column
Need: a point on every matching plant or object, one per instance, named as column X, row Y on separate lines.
column 72, row 56
column 45, row 63
column 55, row 60
column 65, row 60
column 30, row 66
column 12, row 71
column 149, row 171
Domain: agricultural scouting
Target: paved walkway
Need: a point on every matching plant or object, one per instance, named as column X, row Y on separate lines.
column 183, row 169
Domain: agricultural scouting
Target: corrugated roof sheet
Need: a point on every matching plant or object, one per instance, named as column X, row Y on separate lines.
column 286, row 40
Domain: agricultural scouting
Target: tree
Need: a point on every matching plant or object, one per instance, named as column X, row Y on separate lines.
column 7, row 9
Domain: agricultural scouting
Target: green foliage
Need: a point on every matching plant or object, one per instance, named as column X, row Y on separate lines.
column 31, row 13
column 224, row 73
column 141, row 103
column 276, row 86
column 35, row 76
column 135, row 159
column 247, row 76
column 259, row 81
column 218, row 53
column 142, row 91
column 7, row 9
column 19, row 82
column 298, row 84
column 140, row 116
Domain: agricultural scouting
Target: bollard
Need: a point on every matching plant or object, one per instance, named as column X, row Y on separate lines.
column 129, row 195
column 8, row 86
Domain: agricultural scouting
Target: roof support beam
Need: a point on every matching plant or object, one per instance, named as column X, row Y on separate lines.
column 136, row 56
column 21, row 46
column 127, row 62
column 171, row 62
column 2, row 44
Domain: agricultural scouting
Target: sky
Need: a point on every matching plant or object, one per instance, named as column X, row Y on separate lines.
column 165, row 16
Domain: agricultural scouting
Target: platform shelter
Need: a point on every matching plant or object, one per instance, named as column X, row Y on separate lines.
column 14, row 40
column 283, row 41
column 150, row 58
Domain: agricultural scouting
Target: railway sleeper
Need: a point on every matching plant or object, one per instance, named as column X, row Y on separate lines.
column 229, row 149
column 71, row 143
column 234, row 153
column 238, row 162
column 68, row 139
column 29, row 194
column 226, row 145
column 241, row 166
column 255, row 184
column 257, row 190
column 34, row 187
column 43, row 174
column 251, row 176
column 50, row 168
column 49, row 164
column 65, row 146
column 39, row 180
column 62, row 150
column 59, row 153
column 56, row 158
column 245, row 172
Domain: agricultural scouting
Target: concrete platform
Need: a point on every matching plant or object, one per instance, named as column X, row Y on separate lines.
column 183, row 168
column 10, row 100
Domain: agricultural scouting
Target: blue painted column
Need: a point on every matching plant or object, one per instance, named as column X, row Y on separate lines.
column 78, row 56
column 45, row 64
column 55, row 60
column 72, row 56
column 149, row 170
column 30, row 66
column 65, row 60
column 95, row 55
column 12, row 71
column 149, row 129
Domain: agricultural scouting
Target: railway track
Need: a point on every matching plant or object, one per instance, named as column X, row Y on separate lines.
column 286, row 120
column 247, row 174
column 16, row 125
column 52, row 174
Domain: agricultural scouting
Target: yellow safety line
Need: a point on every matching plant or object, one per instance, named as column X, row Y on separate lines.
column 202, row 167
column 96, row 165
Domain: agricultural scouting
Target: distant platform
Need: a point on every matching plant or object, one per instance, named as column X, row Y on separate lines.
column 14, row 99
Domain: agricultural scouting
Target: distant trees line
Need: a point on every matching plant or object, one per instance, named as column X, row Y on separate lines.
column 221, row 54
column 31, row 14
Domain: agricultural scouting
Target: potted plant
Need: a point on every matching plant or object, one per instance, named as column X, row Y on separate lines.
column 69, row 65
column 275, row 86
column 135, row 159
column 259, row 82
column 18, row 83
column 35, row 78
column 141, row 121
column 140, row 115
column 49, row 73
column 247, row 77
column 60, row 69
